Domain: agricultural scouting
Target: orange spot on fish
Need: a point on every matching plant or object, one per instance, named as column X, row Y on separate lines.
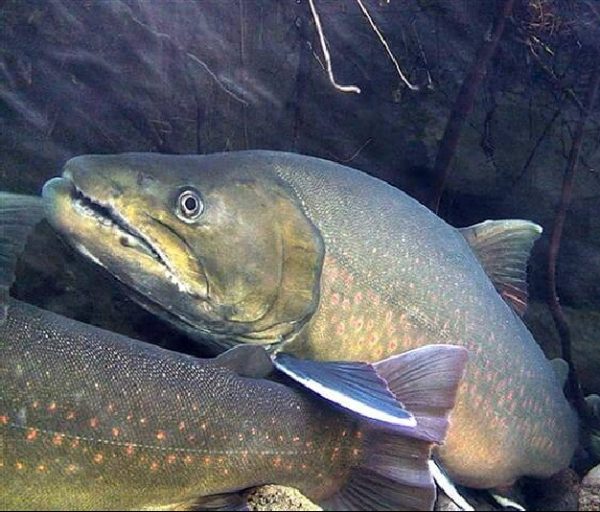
column 181, row 426
column 154, row 466
column 188, row 459
column 129, row 449
column 240, row 437
column 161, row 435
column 129, row 417
column 115, row 432
column 355, row 452
column 75, row 443
column 35, row 404
column 52, row 407
column 171, row 459
column 71, row 468
column 31, row 435
column 340, row 328
column 335, row 299
column 3, row 420
column 57, row 440
column 41, row 468
column 70, row 415
column 225, row 471
column 98, row 458
column 276, row 462
column 358, row 297
column 207, row 460
column 295, row 439
column 203, row 426
column 19, row 466
column 110, row 408
column 393, row 345
column 94, row 422
column 359, row 434
column 143, row 421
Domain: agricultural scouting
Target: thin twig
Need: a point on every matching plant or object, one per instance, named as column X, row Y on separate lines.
column 216, row 78
column 386, row 46
column 342, row 88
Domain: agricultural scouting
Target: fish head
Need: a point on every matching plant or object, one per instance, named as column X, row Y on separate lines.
column 212, row 241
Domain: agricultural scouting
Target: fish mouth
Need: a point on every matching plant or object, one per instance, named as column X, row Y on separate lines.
column 108, row 217
column 64, row 198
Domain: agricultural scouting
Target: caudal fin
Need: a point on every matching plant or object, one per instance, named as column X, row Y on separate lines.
column 394, row 472
column 18, row 216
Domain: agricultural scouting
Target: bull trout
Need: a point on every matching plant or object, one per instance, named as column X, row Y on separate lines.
column 90, row 419
column 316, row 259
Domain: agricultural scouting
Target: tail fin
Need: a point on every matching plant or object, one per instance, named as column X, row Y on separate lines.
column 394, row 472
column 18, row 216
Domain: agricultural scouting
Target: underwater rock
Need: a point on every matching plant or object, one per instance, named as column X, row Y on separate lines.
column 560, row 492
column 589, row 495
column 277, row 497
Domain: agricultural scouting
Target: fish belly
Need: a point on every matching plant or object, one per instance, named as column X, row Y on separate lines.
column 511, row 418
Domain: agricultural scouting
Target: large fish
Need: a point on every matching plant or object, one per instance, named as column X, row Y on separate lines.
column 90, row 419
column 316, row 259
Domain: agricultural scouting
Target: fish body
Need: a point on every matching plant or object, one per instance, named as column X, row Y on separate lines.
column 323, row 261
column 90, row 419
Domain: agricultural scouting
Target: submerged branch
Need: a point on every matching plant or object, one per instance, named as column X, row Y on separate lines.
column 558, row 315
column 464, row 104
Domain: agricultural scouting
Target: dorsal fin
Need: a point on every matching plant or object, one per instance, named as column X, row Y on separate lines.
column 247, row 361
column 503, row 248
column 18, row 216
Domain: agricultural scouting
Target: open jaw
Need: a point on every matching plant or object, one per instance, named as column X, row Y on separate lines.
column 107, row 218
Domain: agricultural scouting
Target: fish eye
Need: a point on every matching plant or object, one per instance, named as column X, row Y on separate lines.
column 189, row 205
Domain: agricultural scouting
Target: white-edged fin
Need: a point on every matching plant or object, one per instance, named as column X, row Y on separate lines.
column 247, row 361
column 446, row 485
column 503, row 248
column 394, row 472
column 561, row 369
column 356, row 387
column 18, row 216
column 505, row 502
column 426, row 380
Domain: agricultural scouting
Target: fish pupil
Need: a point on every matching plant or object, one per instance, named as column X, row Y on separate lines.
column 189, row 205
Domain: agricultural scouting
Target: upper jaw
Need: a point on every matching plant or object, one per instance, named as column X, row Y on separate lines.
column 108, row 217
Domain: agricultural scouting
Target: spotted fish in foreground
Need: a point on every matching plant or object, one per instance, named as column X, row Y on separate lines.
column 90, row 419
column 312, row 258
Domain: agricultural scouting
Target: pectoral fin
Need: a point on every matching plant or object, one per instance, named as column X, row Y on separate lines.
column 18, row 216
column 356, row 387
column 247, row 361
column 503, row 248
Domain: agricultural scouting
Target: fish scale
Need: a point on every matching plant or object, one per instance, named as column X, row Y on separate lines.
column 326, row 262
column 86, row 421
column 432, row 284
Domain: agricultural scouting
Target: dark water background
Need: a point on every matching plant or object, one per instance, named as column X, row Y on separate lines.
column 200, row 76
